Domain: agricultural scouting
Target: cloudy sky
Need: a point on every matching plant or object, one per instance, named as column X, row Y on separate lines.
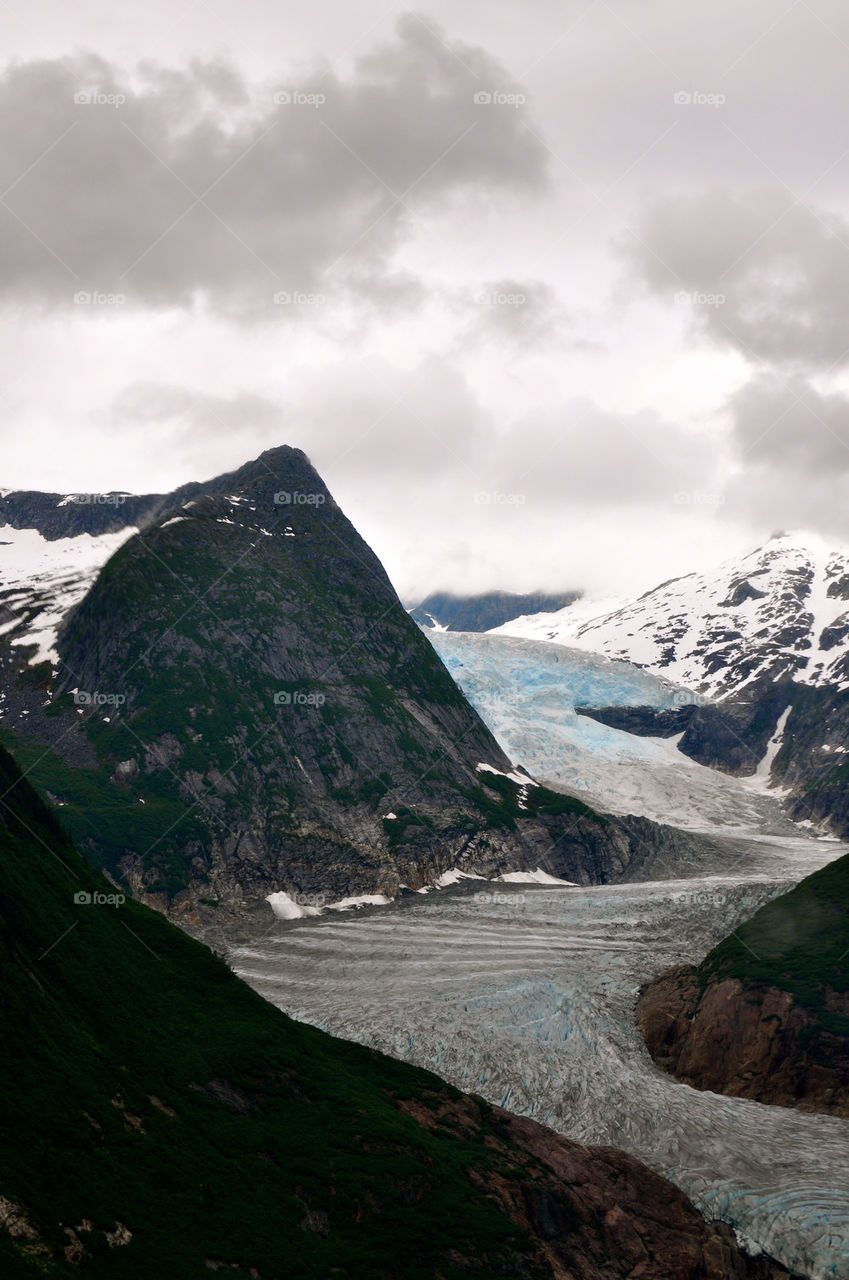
column 553, row 295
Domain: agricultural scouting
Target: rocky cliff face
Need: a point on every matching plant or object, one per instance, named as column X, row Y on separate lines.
column 746, row 1040
column 766, row 1015
column 240, row 705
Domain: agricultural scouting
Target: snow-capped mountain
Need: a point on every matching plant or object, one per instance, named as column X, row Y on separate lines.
column 782, row 611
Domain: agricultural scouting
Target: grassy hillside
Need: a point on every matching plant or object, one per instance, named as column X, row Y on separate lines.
column 798, row 942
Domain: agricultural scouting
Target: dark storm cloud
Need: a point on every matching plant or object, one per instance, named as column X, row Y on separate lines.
column 761, row 273
column 186, row 184
column 791, row 426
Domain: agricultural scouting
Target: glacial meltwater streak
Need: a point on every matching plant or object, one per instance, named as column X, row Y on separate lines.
column 525, row 994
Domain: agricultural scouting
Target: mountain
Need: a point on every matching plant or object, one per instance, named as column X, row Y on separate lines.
column 780, row 612
column 237, row 706
column 766, row 1014
column 764, row 644
column 158, row 1118
column 487, row 611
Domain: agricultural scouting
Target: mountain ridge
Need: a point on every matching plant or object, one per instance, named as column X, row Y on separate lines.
column 239, row 706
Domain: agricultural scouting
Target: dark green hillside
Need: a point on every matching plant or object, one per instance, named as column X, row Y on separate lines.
column 798, row 942
column 159, row 1119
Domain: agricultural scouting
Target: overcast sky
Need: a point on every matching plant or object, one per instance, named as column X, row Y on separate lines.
column 553, row 294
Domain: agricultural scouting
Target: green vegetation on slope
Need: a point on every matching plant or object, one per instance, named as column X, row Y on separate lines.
column 142, row 1084
column 798, row 942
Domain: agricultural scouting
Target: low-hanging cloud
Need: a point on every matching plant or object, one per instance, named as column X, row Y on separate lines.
column 790, row 425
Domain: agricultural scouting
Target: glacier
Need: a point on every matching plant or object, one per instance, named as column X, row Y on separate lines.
column 527, row 692
column 526, row 995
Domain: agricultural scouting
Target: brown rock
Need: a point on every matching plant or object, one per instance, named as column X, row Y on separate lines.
column 747, row 1041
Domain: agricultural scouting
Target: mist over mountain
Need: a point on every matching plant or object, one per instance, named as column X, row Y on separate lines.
column 486, row 611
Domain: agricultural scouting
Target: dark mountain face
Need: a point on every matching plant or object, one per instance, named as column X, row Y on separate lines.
column 57, row 515
column 483, row 612
column 242, row 706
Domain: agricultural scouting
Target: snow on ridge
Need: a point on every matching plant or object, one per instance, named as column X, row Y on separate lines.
column 534, row 877
column 763, row 613
column 41, row 580
column 521, row 779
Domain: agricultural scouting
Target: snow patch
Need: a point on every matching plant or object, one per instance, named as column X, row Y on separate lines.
column 534, row 877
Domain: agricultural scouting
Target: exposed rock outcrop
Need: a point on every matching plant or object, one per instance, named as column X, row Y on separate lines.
column 748, row 1041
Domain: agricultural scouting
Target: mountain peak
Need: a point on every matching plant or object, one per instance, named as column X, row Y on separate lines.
column 779, row 612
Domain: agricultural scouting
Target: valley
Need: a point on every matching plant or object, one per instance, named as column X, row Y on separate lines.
column 525, row 994
column 543, row 847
